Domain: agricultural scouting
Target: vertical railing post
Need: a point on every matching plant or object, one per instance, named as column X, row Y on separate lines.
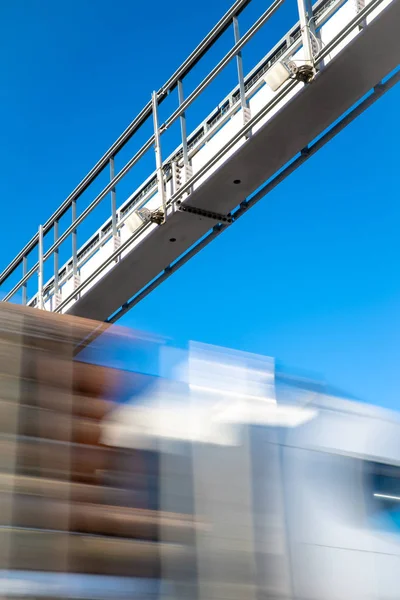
column 239, row 64
column 187, row 167
column 116, row 238
column 57, row 295
column 157, row 149
column 315, row 36
column 40, row 270
column 182, row 120
column 305, row 17
column 76, row 281
column 113, row 199
column 24, row 287
column 360, row 4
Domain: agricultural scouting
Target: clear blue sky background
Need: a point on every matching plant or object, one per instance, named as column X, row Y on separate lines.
column 310, row 275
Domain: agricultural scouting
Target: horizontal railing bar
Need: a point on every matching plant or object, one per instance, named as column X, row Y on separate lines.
column 234, row 108
column 105, row 264
column 84, row 184
column 260, row 115
column 224, row 61
column 204, row 45
column 100, row 197
column 85, row 213
column 293, row 47
column 21, row 282
column 333, row 7
column 324, row 52
column 96, row 246
column 129, row 131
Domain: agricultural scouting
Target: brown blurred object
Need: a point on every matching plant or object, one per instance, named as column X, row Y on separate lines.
column 67, row 502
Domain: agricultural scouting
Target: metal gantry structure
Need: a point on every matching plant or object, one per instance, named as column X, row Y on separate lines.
column 339, row 57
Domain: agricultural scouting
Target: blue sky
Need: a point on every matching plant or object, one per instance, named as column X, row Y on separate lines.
column 309, row 275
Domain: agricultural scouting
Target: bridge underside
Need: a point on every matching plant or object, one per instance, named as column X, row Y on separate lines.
column 372, row 55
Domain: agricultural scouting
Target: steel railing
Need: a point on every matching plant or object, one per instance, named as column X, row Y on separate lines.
column 292, row 41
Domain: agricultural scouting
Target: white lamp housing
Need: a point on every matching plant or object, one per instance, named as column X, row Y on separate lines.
column 277, row 75
column 134, row 222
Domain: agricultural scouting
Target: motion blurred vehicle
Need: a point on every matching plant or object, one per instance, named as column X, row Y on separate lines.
column 225, row 478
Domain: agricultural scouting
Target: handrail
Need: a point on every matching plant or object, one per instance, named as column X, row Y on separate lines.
column 147, row 111
column 126, row 135
column 224, row 61
column 221, row 118
column 183, row 70
column 204, row 45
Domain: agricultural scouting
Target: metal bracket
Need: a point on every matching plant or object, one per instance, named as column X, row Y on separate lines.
column 157, row 217
column 304, row 73
column 57, row 300
column 151, row 216
column 208, row 214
